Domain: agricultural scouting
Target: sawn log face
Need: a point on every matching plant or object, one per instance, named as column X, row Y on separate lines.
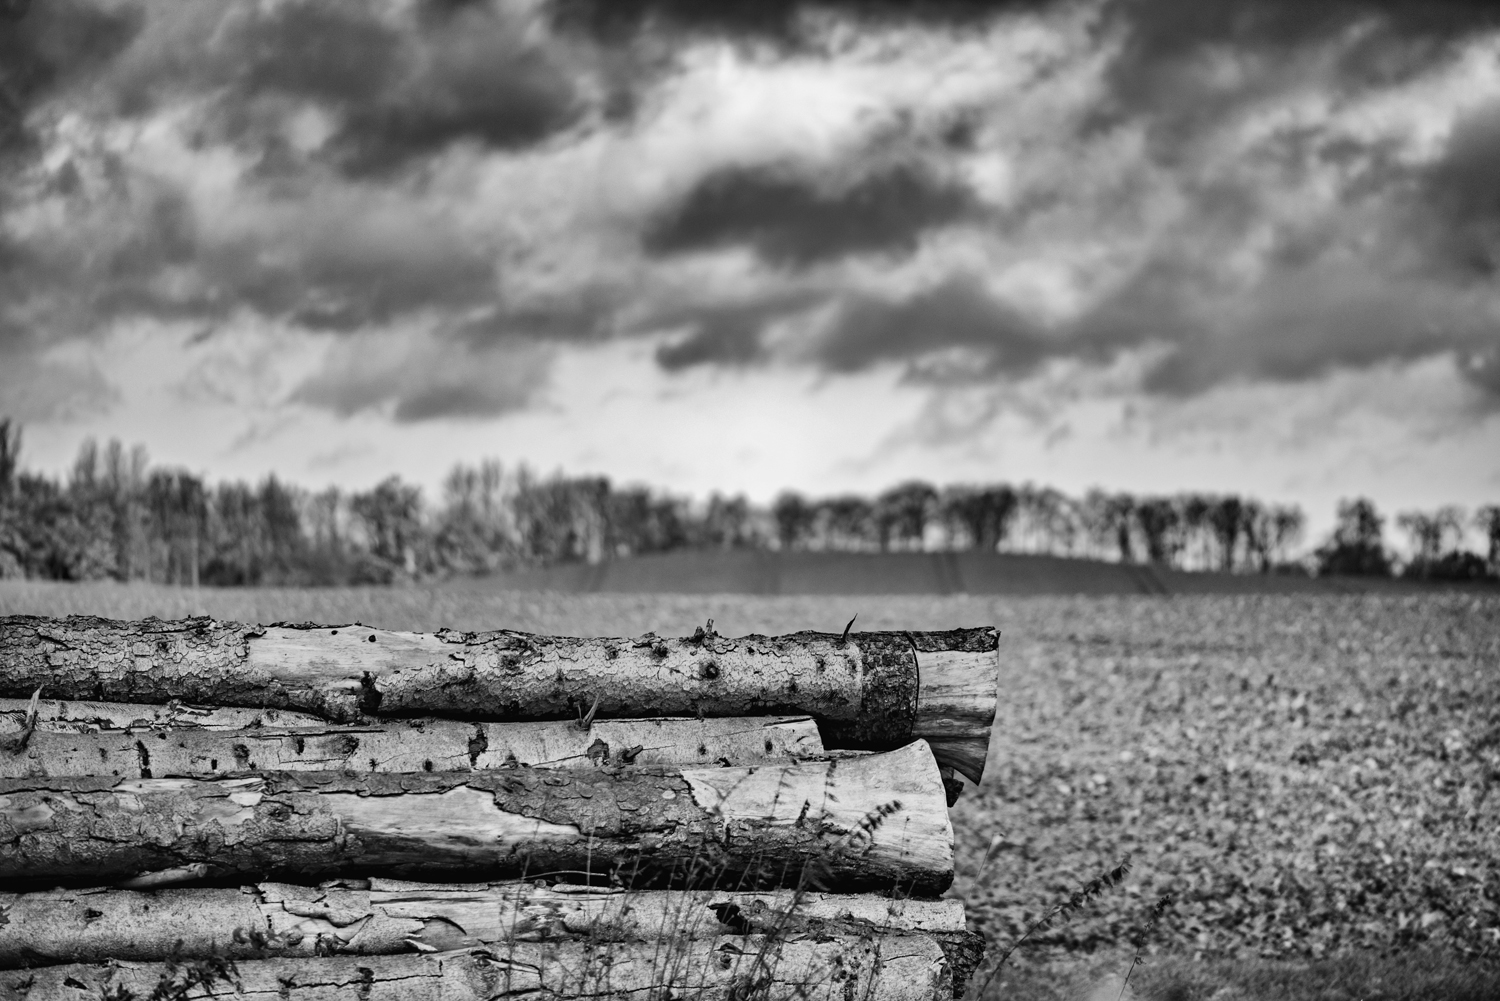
column 895, row 968
column 865, row 690
column 873, row 822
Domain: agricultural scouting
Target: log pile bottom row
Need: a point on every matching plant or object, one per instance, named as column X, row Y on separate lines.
column 888, row 968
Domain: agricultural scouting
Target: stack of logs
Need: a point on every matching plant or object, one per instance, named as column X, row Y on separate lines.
column 306, row 812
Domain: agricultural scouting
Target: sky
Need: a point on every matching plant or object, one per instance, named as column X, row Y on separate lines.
column 1151, row 245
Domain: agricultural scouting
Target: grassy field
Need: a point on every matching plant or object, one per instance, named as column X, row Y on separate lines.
column 1310, row 778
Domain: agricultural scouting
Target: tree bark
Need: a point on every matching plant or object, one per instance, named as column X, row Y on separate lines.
column 734, row 968
column 872, row 822
column 866, row 690
column 408, row 746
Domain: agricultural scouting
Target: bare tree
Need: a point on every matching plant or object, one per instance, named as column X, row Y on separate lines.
column 10, row 456
column 1487, row 520
column 1160, row 523
column 902, row 513
column 978, row 516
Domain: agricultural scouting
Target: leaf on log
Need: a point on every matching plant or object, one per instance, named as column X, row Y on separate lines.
column 410, row 746
column 866, row 691
column 893, row 968
column 876, row 821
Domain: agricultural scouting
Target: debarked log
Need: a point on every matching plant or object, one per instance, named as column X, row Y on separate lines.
column 87, row 716
column 871, row 690
column 891, row 968
column 873, row 822
column 408, row 746
column 390, row 916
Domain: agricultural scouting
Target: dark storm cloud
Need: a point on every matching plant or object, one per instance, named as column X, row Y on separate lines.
column 792, row 221
column 1463, row 190
column 49, row 46
column 613, row 21
column 959, row 313
column 399, row 87
column 347, row 277
column 1162, row 30
column 1160, row 71
column 730, row 333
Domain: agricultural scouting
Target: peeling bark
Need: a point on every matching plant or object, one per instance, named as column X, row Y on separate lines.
column 407, row 746
column 876, row 822
column 866, row 691
column 895, row 968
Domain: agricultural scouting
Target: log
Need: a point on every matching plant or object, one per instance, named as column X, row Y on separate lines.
column 391, row 916
column 410, row 746
column 866, row 689
column 83, row 716
column 735, row 968
column 871, row 822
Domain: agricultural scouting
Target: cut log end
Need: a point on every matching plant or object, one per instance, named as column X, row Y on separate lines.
column 956, row 704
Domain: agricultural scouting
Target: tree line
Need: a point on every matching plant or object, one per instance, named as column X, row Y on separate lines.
column 115, row 516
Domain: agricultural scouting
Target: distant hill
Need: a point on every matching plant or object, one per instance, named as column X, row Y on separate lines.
column 756, row 572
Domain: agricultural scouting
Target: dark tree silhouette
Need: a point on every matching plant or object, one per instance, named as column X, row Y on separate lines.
column 118, row 517
column 1358, row 543
column 1227, row 516
column 1160, row 523
column 10, row 456
column 982, row 514
column 1487, row 520
column 794, row 518
column 902, row 512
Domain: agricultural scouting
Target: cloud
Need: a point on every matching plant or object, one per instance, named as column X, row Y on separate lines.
column 791, row 221
column 416, row 377
column 771, row 20
column 730, row 333
column 1460, row 190
column 396, row 84
column 402, row 91
column 47, row 50
column 38, row 387
column 955, row 315
column 447, row 195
